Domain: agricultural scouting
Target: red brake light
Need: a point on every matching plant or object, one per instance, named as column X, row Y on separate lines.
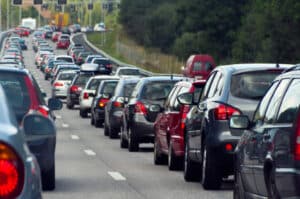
column 185, row 110
column 140, row 108
column 57, row 84
column 118, row 104
column 102, row 102
column 43, row 110
column 228, row 147
column 297, row 140
column 11, row 172
column 224, row 112
column 74, row 89
column 85, row 95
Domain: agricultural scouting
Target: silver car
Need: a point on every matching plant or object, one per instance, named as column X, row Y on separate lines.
column 61, row 83
column 17, row 164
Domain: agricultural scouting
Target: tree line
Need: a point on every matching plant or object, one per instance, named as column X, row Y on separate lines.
column 231, row 31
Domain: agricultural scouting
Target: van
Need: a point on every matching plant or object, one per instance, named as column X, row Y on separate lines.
column 198, row 66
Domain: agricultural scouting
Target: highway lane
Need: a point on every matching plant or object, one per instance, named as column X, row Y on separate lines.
column 89, row 165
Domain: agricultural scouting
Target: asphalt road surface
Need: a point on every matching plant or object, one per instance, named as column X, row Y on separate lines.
column 92, row 166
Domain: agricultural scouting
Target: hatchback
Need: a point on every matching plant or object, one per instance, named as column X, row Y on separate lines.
column 230, row 90
column 139, row 116
column 61, row 83
column 170, row 124
column 268, row 153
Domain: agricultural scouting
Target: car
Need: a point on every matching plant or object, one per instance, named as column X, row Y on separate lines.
column 89, row 91
column 89, row 58
column 50, row 65
column 62, row 67
column 25, row 97
column 63, row 41
column 127, row 71
column 100, row 27
column 169, row 125
column 104, row 65
column 18, row 166
column 138, row 115
column 61, row 83
column 74, row 45
column 199, row 66
column 82, row 56
column 55, row 36
column 230, row 90
column 268, row 153
column 114, row 108
column 65, row 58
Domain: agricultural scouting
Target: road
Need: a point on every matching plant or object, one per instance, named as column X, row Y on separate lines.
column 91, row 166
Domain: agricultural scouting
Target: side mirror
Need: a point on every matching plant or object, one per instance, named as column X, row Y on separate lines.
column 239, row 122
column 36, row 124
column 186, row 99
column 54, row 104
column 155, row 108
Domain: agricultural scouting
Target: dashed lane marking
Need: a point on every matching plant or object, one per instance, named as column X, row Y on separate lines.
column 75, row 137
column 58, row 116
column 116, row 176
column 65, row 125
column 89, row 152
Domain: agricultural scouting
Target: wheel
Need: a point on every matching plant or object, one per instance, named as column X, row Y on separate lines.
column 83, row 113
column 174, row 162
column 113, row 133
column 158, row 158
column 271, row 186
column 46, row 78
column 106, row 130
column 48, row 179
column 238, row 189
column 70, row 105
column 133, row 144
column 123, row 142
column 190, row 168
column 211, row 177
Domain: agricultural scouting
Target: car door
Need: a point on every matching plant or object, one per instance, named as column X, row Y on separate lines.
column 250, row 138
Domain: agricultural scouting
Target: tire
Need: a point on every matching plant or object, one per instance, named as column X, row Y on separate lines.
column 190, row 169
column 83, row 113
column 123, row 142
column 238, row 189
column 133, row 144
column 158, row 158
column 106, row 130
column 174, row 162
column 48, row 179
column 271, row 186
column 211, row 177
column 46, row 78
column 113, row 133
column 70, row 105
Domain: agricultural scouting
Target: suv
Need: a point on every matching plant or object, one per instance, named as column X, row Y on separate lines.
column 170, row 123
column 268, row 154
column 230, row 90
column 139, row 114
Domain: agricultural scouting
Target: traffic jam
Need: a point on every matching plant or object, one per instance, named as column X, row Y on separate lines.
column 233, row 124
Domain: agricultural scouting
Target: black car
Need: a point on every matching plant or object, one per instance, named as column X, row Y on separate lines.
column 230, row 90
column 103, row 94
column 268, row 153
column 138, row 114
column 114, row 107
column 104, row 65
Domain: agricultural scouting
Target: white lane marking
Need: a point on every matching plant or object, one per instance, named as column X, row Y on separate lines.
column 90, row 152
column 116, row 176
column 75, row 137
column 65, row 125
column 58, row 116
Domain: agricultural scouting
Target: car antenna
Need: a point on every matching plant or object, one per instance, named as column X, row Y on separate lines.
column 277, row 65
column 172, row 76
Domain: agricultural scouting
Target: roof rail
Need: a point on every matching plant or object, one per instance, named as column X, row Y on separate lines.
column 296, row 67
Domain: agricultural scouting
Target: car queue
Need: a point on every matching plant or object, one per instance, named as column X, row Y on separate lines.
column 203, row 127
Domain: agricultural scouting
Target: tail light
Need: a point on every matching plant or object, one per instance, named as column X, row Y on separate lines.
column 58, row 84
column 102, row 102
column 224, row 112
column 297, row 140
column 228, row 147
column 185, row 110
column 119, row 102
column 140, row 108
column 74, row 89
column 109, row 66
column 44, row 110
column 85, row 95
column 11, row 172
column 47, row 70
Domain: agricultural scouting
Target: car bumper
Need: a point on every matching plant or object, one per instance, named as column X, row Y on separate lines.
column 144, row 130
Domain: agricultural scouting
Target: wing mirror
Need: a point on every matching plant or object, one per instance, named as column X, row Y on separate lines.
column 54, row 104
column 36, row 124
column 239, row 122
column 186, row 99
column 155, row 108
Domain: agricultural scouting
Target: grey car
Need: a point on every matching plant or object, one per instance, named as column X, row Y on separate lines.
column 16, row 158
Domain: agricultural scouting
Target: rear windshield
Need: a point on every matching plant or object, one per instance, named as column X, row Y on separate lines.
column 82, row 79
column 251, row 85
column 66, row 76
column 94, row 83
column 101, row 61
column 128, row 88
column 109, row 87
column 64, row 37
column 202, row 66
column 129, row 72
column 66, row 59
column 157, row 90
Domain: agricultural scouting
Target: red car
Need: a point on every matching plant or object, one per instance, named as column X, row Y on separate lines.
column 170, row 123
column 55, row 36
column 63, row 43
column 198, row 66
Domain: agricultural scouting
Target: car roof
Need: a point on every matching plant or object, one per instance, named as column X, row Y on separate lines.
column 163, row 77
column 104, row 77
column 15, row 70
column 289, row 74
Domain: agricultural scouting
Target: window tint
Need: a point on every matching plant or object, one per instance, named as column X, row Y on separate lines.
column 251, row 85
column 129, row 72
column 207, row 86
column 109, row 87
column 208, row 66
column 66, row 59
column 275, row 102
column 93, row 84
column 213, row 88
column 128, row 88
column 66, row 76
column 82, row 79
column 260, row 111
column 290, row 103
column 197, row 66
column 157, row 90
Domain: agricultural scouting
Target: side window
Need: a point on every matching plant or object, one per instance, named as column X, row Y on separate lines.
column 290, row 103
column 275, row 101
column 260, row 111
column 213, row 88
column 207, row 86
column 176, row 106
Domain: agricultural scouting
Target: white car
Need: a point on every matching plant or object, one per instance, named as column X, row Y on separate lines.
column 100, row 27
column 127, row 71
column 61, row 83
column 87, row 94
column 65, row 58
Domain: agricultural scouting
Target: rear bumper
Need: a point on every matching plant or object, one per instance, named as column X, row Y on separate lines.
column 143, row 130
column 288, row 182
